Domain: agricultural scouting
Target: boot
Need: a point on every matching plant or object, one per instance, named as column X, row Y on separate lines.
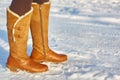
column 39, row 30
column 18, row 27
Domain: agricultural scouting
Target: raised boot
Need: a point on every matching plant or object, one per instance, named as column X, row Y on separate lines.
column 39, row 30
column 18, row 27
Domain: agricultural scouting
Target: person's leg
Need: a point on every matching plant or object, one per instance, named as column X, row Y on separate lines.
column 20, row 7
column 18, row 28
column 39, row 29
column 40, row 1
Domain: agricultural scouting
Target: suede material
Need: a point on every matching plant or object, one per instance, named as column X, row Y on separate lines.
column 39, row 30
column 36, row 29
column 19, row 46
column 18, row 27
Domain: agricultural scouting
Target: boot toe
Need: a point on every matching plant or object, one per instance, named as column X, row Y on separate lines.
column 43, row 68
column 37, row 67
column 63, row 57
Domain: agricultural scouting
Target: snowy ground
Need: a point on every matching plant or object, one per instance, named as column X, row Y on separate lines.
column 88, row 31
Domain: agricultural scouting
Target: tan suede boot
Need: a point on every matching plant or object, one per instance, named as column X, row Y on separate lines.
column 39, row 30
column 18, row 27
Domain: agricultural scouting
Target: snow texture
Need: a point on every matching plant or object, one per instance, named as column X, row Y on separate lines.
column 88, row 31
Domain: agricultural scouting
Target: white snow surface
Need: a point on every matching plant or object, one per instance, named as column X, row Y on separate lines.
column 88, row 31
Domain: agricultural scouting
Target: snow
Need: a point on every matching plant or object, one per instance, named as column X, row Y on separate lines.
column 88, row 31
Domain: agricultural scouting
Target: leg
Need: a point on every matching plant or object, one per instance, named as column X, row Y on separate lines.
column 20, row 7
column 18, row 28
column 40, row 1
column 39, row 29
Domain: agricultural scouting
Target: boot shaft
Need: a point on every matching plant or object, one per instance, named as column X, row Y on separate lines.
column 36, row 30
column 39, row 26
column 45, row 9
column 18, row 27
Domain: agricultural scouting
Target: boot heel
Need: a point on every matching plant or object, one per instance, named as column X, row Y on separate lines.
column 12, row 68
